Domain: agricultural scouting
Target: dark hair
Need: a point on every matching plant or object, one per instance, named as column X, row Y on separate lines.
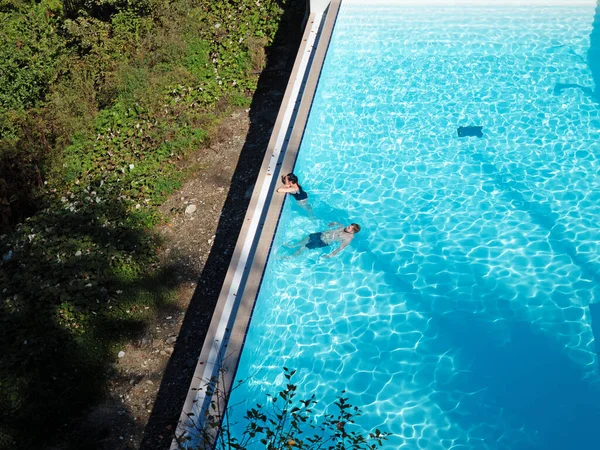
column 356, row 227
column 292, row 178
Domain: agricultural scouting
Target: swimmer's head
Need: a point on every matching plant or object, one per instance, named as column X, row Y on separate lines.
column 352, row 228
column 291, row 178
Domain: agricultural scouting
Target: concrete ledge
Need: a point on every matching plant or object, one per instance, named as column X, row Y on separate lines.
column 238, row 294
column 257, row 269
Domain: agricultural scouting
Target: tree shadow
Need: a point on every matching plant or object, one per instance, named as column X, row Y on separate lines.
column 529, row 379
column 593, row 55
column 76, row 285
column 593, row 61
column 20, row 173
column 540, row 214
column 505, row 371
column 263, row 112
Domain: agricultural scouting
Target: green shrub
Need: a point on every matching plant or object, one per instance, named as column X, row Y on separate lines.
column 98, row 102
column 31, row 54
column 284, row 421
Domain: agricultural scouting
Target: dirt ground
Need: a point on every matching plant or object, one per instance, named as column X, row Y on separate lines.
column 189, row 238
column 150, row 380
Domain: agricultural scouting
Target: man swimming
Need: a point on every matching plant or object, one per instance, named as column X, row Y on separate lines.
column 291, row 186
column 341, row 234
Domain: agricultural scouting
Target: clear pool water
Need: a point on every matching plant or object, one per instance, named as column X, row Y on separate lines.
column 460, row 316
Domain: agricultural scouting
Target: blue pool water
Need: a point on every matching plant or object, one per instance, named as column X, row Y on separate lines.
column 460, row 316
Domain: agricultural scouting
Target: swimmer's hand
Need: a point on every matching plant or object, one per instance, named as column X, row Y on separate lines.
column 326, row 256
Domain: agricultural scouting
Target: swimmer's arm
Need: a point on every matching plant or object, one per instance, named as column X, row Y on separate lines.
column 287, row 190
column 343, row 245
column 334, row 224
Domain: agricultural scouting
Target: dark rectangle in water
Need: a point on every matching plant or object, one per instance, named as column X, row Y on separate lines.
column 470, row 131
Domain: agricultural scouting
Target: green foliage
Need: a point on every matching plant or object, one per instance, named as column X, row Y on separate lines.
column 285, row 421
column 99, row 101
column 233, row 41
column 78, row 281
column 31, row 54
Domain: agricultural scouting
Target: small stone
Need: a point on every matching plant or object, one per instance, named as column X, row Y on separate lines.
column 121, row 354
column 191, row 209
column 169, row 350
column 163, row 353
column 78, row 253
column 220, row 189
column 146, row 341
column 171, row 340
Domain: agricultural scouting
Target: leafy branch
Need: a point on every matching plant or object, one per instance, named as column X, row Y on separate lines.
column 284, row 422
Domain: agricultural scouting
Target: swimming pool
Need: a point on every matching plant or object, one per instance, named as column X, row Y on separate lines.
column 459, row 317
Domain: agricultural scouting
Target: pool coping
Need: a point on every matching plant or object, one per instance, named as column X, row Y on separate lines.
column 259, row 263
column 231, row 318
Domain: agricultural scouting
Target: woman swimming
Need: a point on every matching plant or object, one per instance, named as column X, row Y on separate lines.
column 291, row 186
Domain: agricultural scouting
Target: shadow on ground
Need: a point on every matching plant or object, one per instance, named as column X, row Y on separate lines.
column 74, row 286
column 263, row 112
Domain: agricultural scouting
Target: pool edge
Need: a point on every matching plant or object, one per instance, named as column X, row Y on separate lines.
column 259, row 262
column 249, row 270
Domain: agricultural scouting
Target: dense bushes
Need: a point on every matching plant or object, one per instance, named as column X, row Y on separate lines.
column 98, row 100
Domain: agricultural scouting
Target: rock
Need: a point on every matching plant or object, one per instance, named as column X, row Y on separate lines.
column 191, row 209
column 146, row 341
column 78, row 253
column 121, row 354
column 171, row 340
